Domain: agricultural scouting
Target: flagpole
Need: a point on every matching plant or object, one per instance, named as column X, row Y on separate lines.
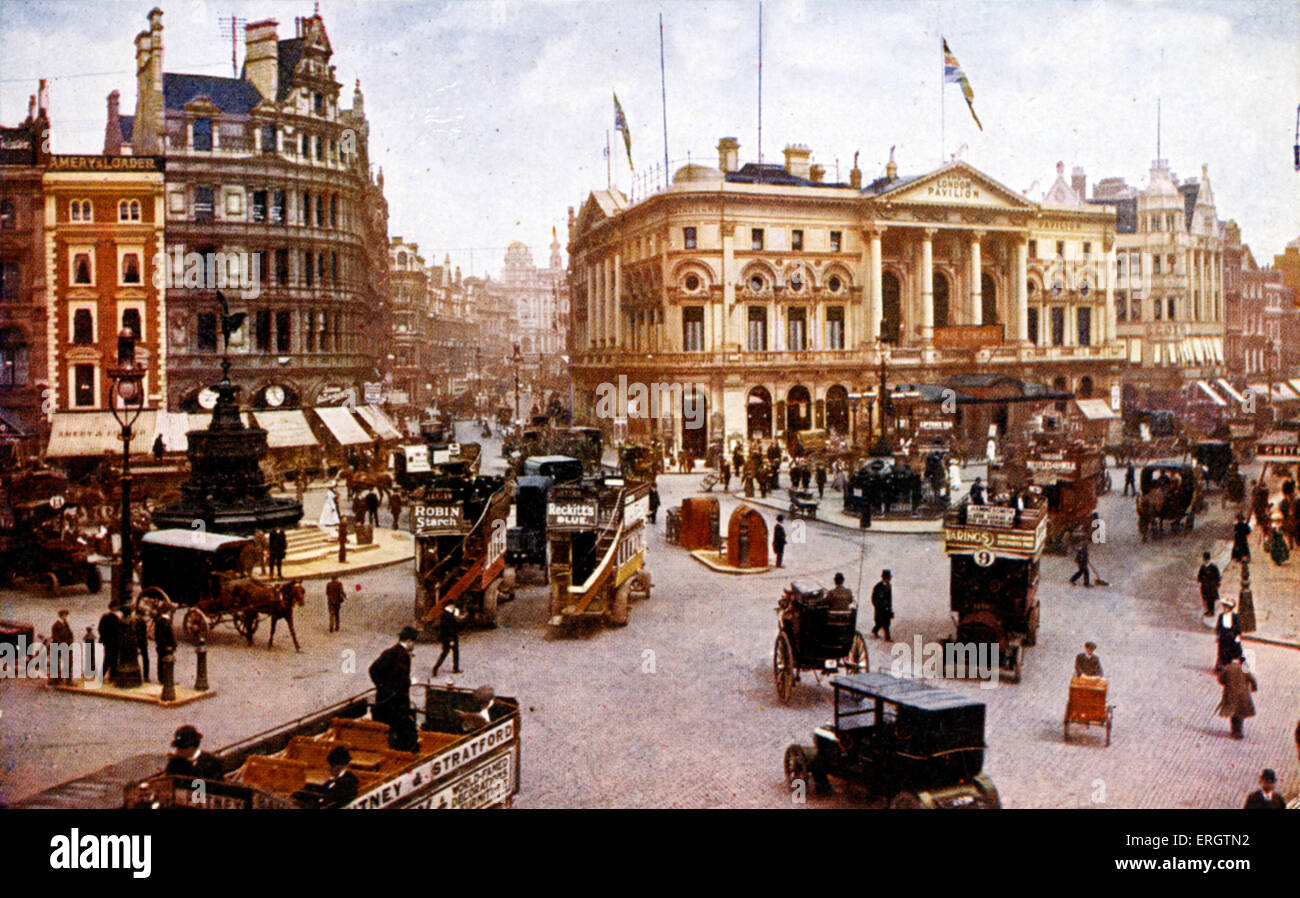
column 663, row 88
column 609, row 177
column 760, row 91
column 942, row 84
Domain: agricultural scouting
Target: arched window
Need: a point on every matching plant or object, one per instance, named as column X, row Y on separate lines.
column 1085, row 387
column 798, row 409
column 130, row 268
column 758, row 406
column 81, row 268
column 83, row 328
column 837, row 410
column 131, row 322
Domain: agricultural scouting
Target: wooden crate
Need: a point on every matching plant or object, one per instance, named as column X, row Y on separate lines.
column 1087, row 698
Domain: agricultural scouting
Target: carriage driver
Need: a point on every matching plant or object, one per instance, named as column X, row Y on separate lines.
column 1086, row 664
column 841, row 597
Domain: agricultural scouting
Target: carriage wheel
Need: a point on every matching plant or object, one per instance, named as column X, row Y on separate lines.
column 196, row 625
column 1065, row 727
column 52, row 583
column 858, row 660
column 94, row 579
column 905, row 801
column 783, row 667
column 245, row 623
column 1017, row 660
column 1031, row 632
column 1110, row 716
column 150, row 601
column 798, row 768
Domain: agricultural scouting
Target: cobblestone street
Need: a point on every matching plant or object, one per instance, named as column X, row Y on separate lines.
column 679, row 709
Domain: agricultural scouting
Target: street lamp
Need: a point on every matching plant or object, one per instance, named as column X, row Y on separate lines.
column 517, row 360
column 126, row 402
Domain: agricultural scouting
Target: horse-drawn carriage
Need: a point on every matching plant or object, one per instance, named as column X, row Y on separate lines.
column 993, row 590
column 1168, row 494
column 206, row 573
column 811, row 635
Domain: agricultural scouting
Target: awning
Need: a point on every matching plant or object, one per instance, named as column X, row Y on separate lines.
column 11, row 425
column 1295, row 384
column 1095, row 409
column 1198, row 354
column 285, row 428
column 172, row 427
column 1279, row 393
column 81, row 434
column 378, row 422
column 1284, row 391
column 1205, row 388
column 342, row 425
column 1228, row 388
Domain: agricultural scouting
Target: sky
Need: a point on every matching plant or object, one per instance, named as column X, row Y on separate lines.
column 489, row 117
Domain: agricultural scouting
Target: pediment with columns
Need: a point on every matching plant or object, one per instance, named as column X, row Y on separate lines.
column 956, row 185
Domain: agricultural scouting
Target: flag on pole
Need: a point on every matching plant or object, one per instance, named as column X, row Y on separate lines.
column 952, row 74
column 620, row 124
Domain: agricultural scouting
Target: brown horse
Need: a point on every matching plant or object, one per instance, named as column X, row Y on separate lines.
column 1150, row 507
column 254, row 597
column 360, row 481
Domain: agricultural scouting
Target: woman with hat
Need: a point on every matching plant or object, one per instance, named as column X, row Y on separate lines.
column 1228, row 631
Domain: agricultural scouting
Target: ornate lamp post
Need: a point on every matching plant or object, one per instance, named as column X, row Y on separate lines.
column 126, row 402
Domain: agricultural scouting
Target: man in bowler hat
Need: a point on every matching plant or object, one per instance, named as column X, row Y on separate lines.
column 882, row 600
column 391, row 674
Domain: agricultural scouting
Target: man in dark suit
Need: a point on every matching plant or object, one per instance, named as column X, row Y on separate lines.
column 62, row 639
column 1265, row 798
column 334, row 595
column 1081, row 563
column 164, row 635
column 778, row 540
column 110, row 630
column 1208, row 576
column 882, row 600
column 391, row 674
column 277, row 548
column 1130, row 479
column 1087, row 664
column 449, row 636
column 341, row 788
column 187, row 759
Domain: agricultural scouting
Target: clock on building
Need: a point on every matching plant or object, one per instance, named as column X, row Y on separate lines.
column 274, row 395
column 208, row 398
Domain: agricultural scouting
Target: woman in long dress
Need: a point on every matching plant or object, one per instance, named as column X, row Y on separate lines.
column 329, row 514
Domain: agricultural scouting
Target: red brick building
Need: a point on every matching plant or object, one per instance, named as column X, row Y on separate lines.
column 103, row 226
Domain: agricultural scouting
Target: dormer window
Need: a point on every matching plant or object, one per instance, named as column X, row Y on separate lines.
column 202, row 134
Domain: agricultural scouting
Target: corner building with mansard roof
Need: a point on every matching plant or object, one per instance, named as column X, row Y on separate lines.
column 268, row 174
column 777, row 295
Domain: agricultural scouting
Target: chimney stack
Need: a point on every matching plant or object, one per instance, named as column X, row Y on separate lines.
column 262, row 57
column 147, row 134
column 728, row 154
column 817, row 173
column 797, row 159
column 1079, row 183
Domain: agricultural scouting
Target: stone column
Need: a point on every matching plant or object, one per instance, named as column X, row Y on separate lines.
column 616, row 306
column 927, row 287
column 735, row 331
column 976, row 287
column 1021, row 293
column 591, row 307
column 1109, row 322
column 877, row 308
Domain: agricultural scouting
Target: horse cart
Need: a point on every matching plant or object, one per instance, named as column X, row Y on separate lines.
column 993, row 590
column 1169, row 494
column 813, row 636
column 33, row 544
column 597, row 542
column 205, row 574
column 1087, row 705
column 464, row 760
